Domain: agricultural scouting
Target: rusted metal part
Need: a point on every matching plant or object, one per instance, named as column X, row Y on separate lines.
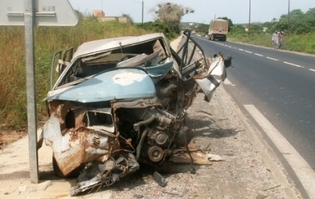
column 79, row 144
column 190, row 154
column 105, row 174
column 78, row 117
column 60, row 109
column 136, row 103
column 199, row 158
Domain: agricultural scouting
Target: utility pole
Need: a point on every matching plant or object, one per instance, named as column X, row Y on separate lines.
column 142, row 11
column 249, row 15
column 288, row 16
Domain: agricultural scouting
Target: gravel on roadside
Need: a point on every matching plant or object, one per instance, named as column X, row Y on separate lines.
column 242, row 173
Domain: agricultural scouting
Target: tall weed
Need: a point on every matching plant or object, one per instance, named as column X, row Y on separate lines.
column 13, row 107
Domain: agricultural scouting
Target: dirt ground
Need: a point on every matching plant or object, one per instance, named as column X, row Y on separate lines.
column 244, row 172
column 248, row 169
column 8, row 136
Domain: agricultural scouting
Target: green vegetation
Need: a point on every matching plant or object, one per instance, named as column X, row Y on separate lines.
column 13, row 109
column 301, row 43
column 166, row 27
column 299, row 29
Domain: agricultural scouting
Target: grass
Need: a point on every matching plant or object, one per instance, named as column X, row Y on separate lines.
column 300, row 43
column 13, row 107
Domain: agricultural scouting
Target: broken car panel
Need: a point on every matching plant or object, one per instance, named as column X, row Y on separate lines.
column 122, row 102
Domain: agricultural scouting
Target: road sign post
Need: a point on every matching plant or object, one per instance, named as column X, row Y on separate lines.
column 48, row 13
column 30, row 89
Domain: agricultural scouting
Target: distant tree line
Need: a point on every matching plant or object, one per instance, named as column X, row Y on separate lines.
column 296, row 22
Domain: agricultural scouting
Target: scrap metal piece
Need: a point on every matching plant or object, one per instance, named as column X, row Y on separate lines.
column 214, row 157
column 159, row 179
column 96, row 175
column 198, row 157
column 190, row 155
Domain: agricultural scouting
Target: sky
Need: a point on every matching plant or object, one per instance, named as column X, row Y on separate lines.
column 205, row 10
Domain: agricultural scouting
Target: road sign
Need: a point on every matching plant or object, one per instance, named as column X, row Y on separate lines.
column 29, row 14
column 47, row 13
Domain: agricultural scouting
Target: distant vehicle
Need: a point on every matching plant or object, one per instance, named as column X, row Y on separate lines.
column 218, row 29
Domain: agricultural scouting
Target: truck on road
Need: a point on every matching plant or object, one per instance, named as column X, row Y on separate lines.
column 218, row 29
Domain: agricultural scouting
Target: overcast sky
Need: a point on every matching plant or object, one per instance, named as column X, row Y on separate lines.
column 205, row 10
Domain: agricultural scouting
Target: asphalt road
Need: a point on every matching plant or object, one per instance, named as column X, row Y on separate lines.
column 280, row 85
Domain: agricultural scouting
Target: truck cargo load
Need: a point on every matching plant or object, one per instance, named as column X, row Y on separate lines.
column 218, row 29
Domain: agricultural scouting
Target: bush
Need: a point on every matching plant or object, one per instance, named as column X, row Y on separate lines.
column 170, row 30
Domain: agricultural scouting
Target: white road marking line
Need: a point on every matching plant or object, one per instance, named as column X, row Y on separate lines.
column 289, row 63
column 241, row 49
column 260, row 55
column 302, row 169
column 248, row 51
column 274, row 59
column 312, row 69
column 227, row 82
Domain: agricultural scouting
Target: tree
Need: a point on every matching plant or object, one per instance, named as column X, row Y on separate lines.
column 171, row 12
column 238, row 30
column 301, row 23
column 311, row 12
column 169, row 15
column 202, row 28
column 128, row 16
column 296, row 22
column 274, row 20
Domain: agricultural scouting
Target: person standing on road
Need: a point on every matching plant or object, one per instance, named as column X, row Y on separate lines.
column 275, row 39
column 281, row 40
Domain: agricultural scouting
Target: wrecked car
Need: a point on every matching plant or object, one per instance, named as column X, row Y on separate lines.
column 121, row 102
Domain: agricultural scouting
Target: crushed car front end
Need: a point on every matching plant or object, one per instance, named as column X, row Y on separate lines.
column 122, row 102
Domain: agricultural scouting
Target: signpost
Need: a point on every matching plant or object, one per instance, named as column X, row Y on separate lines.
column 44, row 12
column 41, row 13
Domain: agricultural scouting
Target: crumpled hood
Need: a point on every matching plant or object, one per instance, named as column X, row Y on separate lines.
column 115, row 84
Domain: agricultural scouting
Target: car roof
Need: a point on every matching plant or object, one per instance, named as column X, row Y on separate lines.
column 97, row 46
